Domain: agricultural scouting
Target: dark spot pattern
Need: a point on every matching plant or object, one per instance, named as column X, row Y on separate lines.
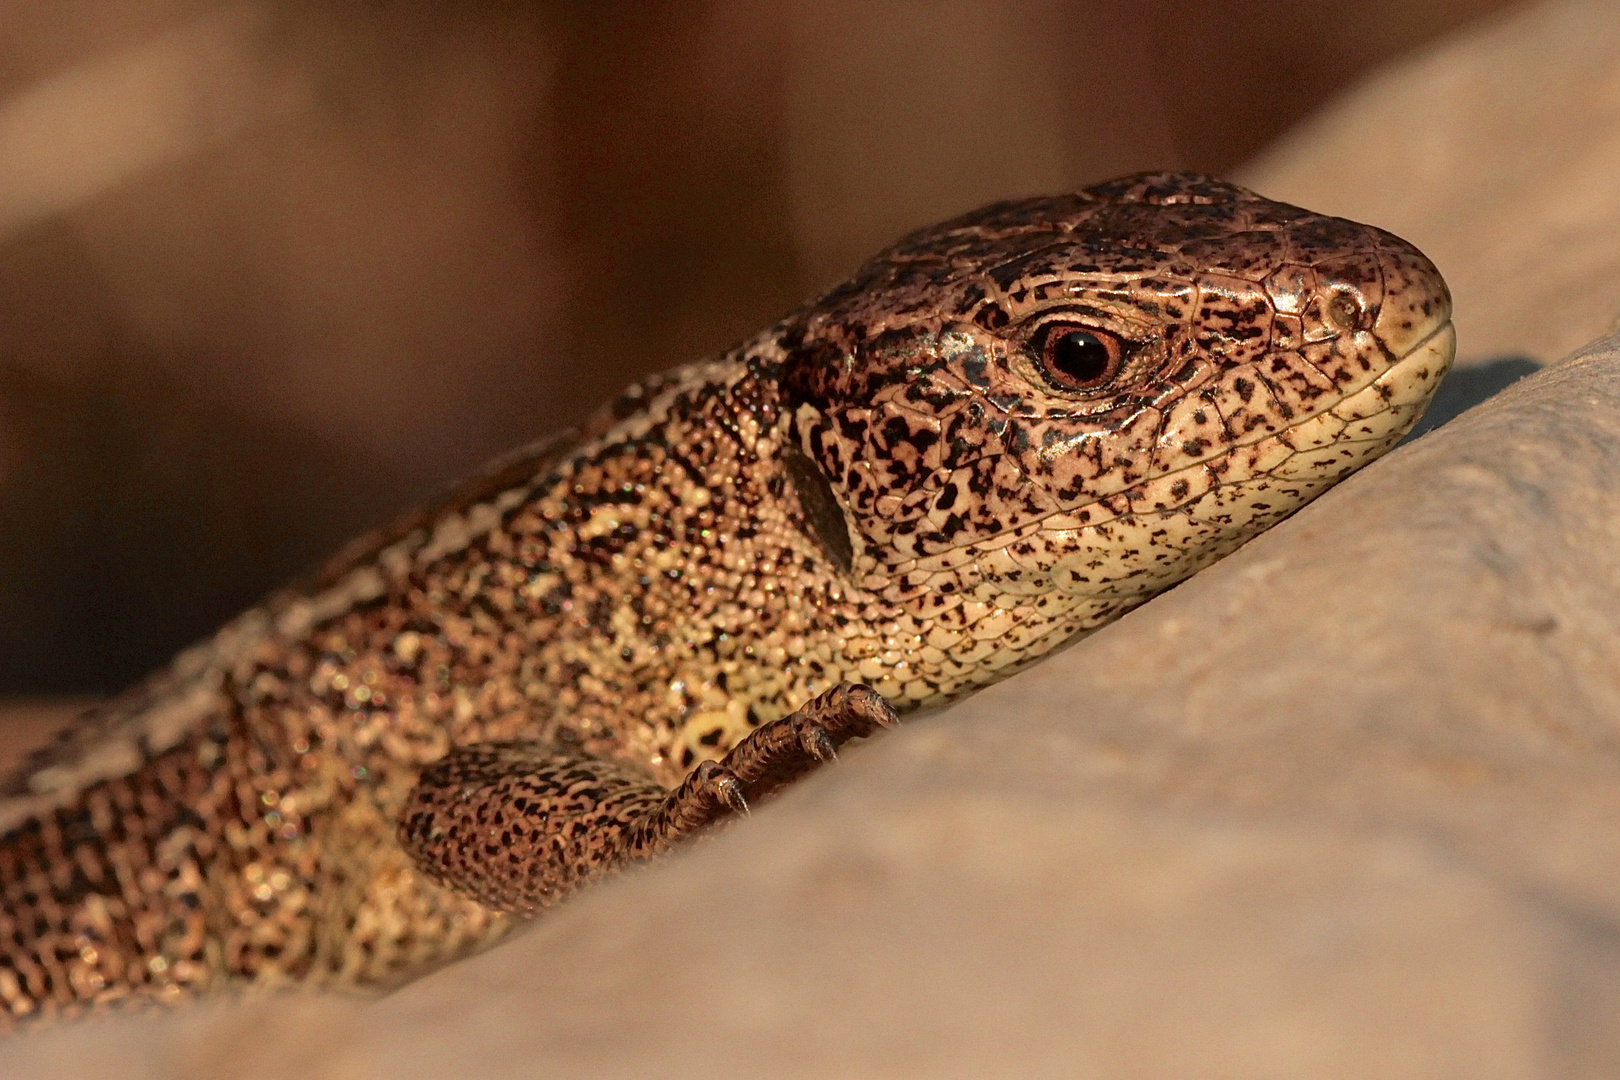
column 608, row 642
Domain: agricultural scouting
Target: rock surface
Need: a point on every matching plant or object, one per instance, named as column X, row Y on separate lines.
column 1345, row 805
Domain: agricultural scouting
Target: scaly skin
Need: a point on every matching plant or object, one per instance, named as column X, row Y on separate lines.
column 898, row 485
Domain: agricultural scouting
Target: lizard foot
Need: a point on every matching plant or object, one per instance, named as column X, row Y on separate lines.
column 709, row 792
column 780, row 752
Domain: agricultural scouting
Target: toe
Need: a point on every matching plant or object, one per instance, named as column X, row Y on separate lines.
column 817, row 743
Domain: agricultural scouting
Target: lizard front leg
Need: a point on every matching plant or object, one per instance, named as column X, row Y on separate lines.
column 778, row 753
column 515, row 825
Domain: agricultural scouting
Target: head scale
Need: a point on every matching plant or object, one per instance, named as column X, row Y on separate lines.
column 1093, row 395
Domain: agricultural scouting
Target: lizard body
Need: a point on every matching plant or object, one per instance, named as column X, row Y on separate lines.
column 1001, row 433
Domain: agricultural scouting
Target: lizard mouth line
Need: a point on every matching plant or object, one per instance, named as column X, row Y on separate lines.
column 1388, row 385
column 1441, row 327
column 1423, row 347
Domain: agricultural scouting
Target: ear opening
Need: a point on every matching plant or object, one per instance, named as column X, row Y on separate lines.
column 823, row 517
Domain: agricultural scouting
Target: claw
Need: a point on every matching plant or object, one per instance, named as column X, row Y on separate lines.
column 729, row 791
column 871, row 706
column 713, row 780
column 818, row 744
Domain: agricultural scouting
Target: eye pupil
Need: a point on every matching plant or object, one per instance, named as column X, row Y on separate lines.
column 1080, row 356
column 1076, row 359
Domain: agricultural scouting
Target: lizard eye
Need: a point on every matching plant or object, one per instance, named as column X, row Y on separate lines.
column 1077, row 357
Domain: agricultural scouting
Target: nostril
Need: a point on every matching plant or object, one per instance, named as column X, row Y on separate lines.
column 1345, row 311
column 1350, row 290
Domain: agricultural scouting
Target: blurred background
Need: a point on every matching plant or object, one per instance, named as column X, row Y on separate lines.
column 272, row 272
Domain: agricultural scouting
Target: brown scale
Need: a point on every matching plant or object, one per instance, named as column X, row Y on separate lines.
column 998, row 435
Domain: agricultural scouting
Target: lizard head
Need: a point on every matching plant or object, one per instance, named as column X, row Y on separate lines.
column 1091, row 396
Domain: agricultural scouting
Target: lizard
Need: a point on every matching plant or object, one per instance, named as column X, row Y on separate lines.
column 1000, row 434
